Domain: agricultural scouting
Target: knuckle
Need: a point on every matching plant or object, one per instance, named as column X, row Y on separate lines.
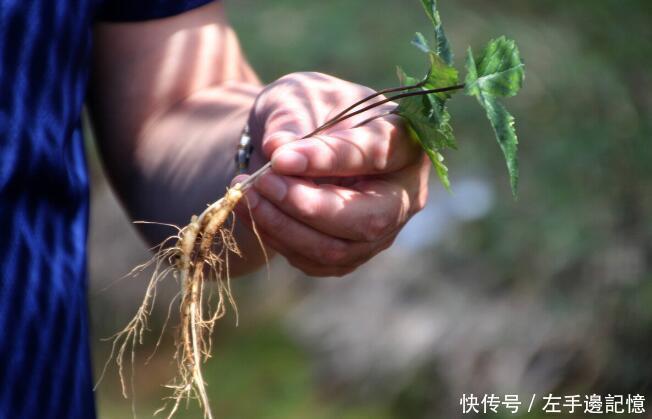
column 421, row 201
column 291, row 79
column 387, row 244
column 379, row 155
column 312, row 74
column 390, row 133
column 300, row 78
column 333, row 254
column 377, row 225
column 259, row 106
column 309, row 209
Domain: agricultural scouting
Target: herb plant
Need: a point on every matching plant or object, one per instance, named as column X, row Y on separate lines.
column 202, row 248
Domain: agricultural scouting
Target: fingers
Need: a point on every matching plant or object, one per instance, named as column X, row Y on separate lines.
column 295, row 105
column 329, row 230
column 311, row 251
column 288, row 114
column 370, row 213
column 380, row 146
column 319, row 269
column 375, row 172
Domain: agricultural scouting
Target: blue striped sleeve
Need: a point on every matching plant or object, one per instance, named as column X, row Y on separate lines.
column 138, row 10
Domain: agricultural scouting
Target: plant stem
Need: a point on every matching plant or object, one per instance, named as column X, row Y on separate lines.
column 335, row 121
column 344, row 115
column 373, row 96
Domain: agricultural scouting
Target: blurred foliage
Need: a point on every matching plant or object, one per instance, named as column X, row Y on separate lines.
column 578, row 240
column 259, row 373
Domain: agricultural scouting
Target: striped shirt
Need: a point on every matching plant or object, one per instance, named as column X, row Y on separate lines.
column 45, row 368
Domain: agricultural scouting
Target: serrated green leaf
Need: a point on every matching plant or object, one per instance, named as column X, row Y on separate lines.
column 435, row 157
column 427, row 116
column 440, row 169
column 439, row 75
column 421, row 42
column 472, row 88
column 498, row 71
column 429, row 113
column 430, row 126
column 431, row 123
column 443, row 47
column 501, row 120
column 404, row 79
column 503, row 125
column 444, row 129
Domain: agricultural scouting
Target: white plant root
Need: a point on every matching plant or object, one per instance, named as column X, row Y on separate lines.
column 194, row 260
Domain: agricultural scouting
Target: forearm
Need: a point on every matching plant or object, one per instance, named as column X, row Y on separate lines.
column 184, row 161
column 168, row 135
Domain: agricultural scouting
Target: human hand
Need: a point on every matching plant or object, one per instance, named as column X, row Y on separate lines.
column 338, row 198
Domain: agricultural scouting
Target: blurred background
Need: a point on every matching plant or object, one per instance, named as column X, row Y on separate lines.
column 481, row 294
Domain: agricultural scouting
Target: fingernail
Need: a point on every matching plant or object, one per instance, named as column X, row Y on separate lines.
column 238, row 179
column 290, row 162
column 272, row 186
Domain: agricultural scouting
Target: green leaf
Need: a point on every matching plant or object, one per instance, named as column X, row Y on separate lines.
column 426, row 121
column 427, row 116
column 443, row 47
column 440, row 74
column 421, row 42
column 445, row 138
column 498, row 72
column 419, row 130
column 430, row 111
column 429, row 125
column 441, row 169
column 404, row 79
column 503, row 125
